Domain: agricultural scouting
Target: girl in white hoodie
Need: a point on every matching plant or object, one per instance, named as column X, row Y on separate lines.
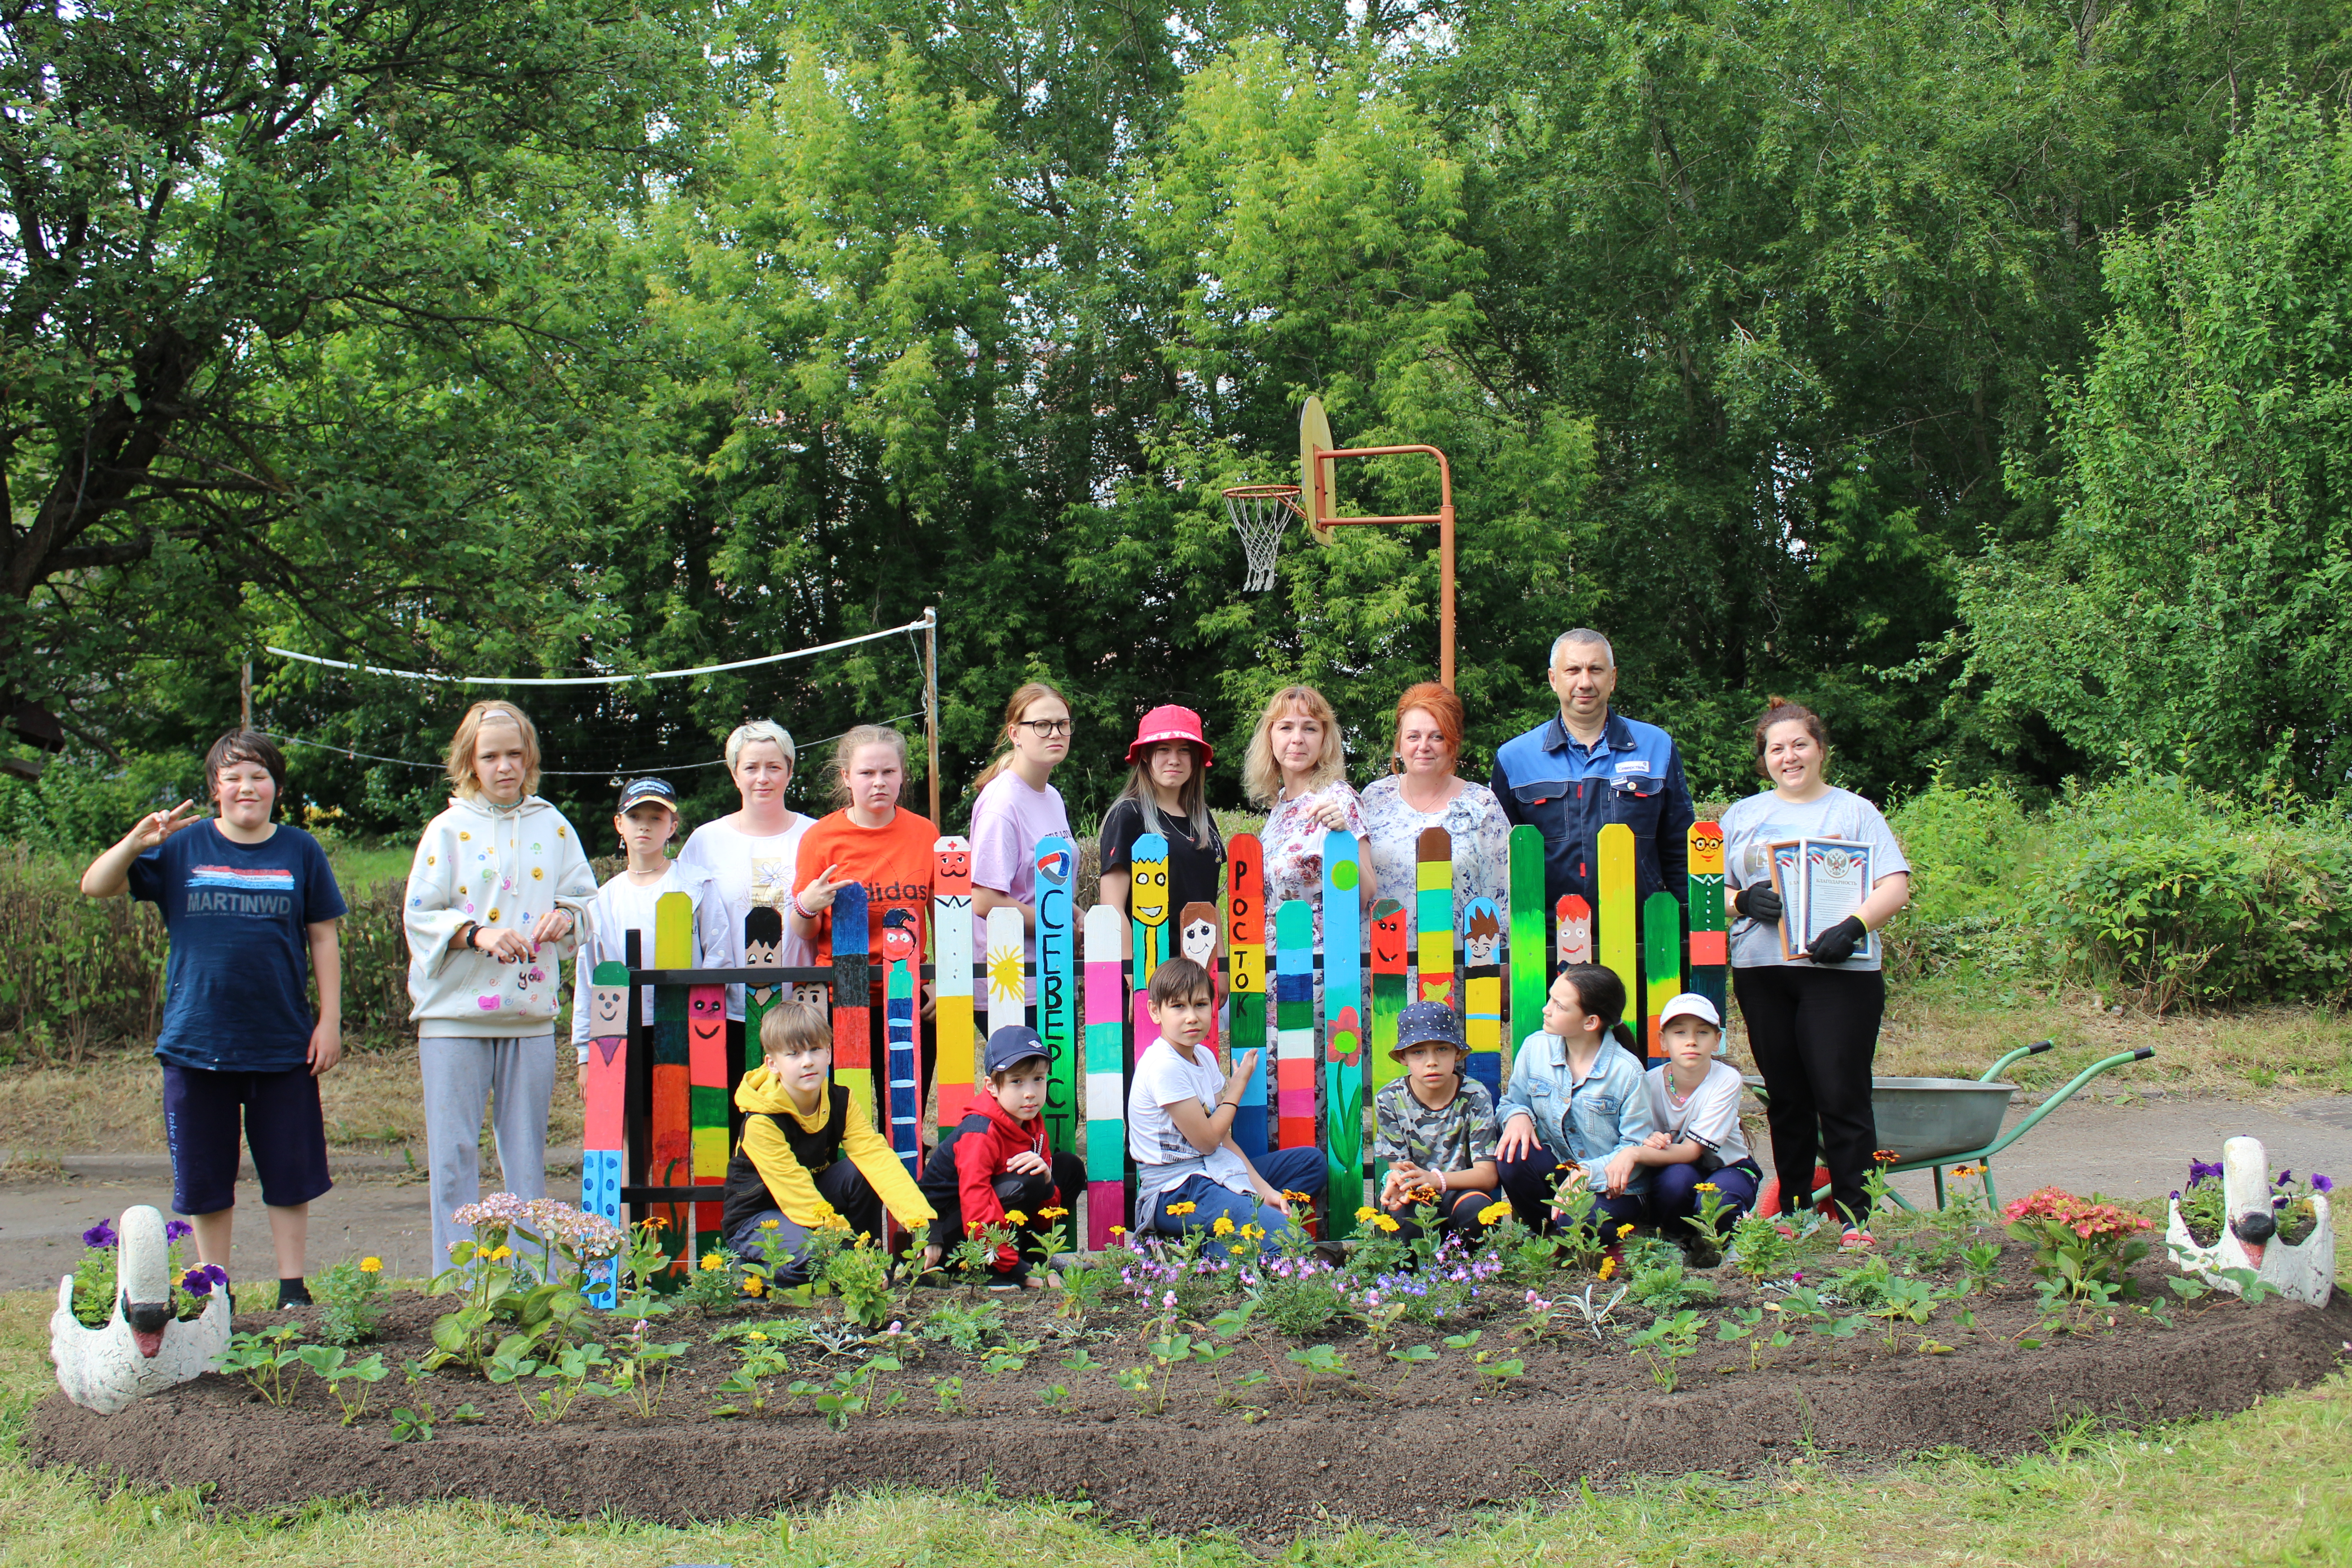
column 498, row 893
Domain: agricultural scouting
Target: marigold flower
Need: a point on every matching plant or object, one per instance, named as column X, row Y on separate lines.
column 1706, row 1187
column 1885, row 1156
column 1387, row 1223
column 1623, row 1231
column 502, row 1253
column 1117, row 1230
column 1366, row 1215
column 1496, row 1212
column 756, row 1335
column 1053, row 1213
column 370, row 1265
column 771, row 1224
column 1225, row 1226
column 1178, row 1211
column 1608, row 1267
column 1298, row 1198
column 1254, row 1232
column 1014, row 1217
column 755, row 1286
column 712, row 1263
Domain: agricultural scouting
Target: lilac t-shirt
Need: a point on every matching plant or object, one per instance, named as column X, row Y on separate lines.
column 1007, row 821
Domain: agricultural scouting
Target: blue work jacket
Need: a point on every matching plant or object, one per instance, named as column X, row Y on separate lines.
column 1549, row 780
column 1589, row 1121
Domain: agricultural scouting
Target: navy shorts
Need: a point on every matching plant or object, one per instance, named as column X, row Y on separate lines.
column 282, row 1124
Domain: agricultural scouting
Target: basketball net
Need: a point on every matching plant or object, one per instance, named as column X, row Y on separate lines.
column 1260, row 513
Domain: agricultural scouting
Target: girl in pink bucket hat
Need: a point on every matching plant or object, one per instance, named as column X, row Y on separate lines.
column 1165, row 793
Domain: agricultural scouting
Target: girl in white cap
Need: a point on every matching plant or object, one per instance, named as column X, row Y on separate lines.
column 1695, row 1101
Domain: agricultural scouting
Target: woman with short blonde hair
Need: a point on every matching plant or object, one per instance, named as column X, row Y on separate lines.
column 749, row 856
column 1298, row 765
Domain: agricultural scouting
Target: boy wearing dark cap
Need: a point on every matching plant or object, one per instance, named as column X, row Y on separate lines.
column 998, row 1162
column 646, row 820
column 1436, row 1128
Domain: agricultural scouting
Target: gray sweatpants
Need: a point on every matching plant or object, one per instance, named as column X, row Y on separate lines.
column 516, row 1076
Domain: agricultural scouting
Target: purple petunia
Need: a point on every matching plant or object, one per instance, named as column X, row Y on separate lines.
column 174, row 1230
column 100, row 1235
column 2320, row 1183
column 2201, row 1172
column 201, row 1279
column 2284, row 1178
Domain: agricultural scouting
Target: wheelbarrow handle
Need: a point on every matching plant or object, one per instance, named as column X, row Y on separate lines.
column 2055, row 1100
column 2035, row 1049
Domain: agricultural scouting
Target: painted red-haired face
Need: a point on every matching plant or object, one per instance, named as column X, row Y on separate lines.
column 898, row 937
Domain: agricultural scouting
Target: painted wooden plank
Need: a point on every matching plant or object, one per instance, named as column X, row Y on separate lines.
column 1618, row 938
column 670, row 1124
column 763, row 948
column 900, row 1064
column 1661, row 962
column 1106, row 1078
column 1343, row 1034
column 958, row 1068
column 1008, row 986
column 1482, row 994
column 1294, row 1022
column 1530, row 954
column 1245, row 981
column 1572, row 943
column 1147, row 907
column 1433, row 915
column 1057, row 987
column 706, row 1087
column 604, row 1139
column 1196, row 939
column 1392, row 926
column 852, row 996
column 1710, row 953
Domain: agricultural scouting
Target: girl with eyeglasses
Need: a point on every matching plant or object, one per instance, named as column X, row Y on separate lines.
column 1015, row 805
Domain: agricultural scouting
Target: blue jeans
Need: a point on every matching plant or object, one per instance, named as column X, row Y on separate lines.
column 1673, row 1196
column 1300, row 1170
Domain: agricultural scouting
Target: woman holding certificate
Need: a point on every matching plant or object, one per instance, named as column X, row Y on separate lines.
column 1813, row 872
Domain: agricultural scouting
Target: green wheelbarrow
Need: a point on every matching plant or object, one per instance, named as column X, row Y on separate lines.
column 1932, row 1122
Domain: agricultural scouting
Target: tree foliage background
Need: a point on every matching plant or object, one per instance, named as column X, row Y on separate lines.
column 1974, row 372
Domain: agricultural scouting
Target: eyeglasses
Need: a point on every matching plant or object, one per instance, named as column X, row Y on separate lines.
column 1045, row 727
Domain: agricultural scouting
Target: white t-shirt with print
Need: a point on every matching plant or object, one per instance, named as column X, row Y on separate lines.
column 1711, row 1115
column 1163, row 1155
column 748, row 869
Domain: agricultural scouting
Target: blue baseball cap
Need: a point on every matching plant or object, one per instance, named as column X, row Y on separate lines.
column 639, row 791
column 1013, row 1045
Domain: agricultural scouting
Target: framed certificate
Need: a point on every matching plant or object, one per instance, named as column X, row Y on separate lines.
column 1833, row 877
column 1789, row 883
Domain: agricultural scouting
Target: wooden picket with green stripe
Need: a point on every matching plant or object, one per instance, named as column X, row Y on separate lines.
column 1530, row 968
column 1662, row 962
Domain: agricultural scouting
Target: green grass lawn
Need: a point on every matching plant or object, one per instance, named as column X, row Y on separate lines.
column 2272, row 1485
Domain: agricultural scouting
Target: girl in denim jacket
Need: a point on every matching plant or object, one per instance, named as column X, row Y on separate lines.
column 1574, row 1098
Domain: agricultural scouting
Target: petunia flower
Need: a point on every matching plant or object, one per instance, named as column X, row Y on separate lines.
column 100, row 1235
column 173, row 1229
column 2320, row 1183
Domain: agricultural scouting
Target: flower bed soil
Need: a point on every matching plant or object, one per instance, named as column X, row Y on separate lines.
column 1396, row 1444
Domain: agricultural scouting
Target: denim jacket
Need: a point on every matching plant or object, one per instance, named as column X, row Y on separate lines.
column 1589, row 1121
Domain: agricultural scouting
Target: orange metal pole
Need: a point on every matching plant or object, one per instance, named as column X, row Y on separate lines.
column 1443, row 517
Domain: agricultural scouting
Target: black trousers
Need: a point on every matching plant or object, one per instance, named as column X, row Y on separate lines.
column 1813, row 1033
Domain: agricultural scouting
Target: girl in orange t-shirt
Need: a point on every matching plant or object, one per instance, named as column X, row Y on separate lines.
column 871, row 840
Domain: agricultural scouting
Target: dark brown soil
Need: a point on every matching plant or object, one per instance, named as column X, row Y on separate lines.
column 1391, row 1444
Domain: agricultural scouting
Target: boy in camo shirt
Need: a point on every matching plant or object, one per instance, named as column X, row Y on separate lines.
column 1436, row 1128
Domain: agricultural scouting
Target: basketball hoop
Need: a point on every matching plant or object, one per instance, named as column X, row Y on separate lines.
column 1260, row 513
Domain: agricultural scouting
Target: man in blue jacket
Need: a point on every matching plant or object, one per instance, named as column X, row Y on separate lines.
column 1572, row 775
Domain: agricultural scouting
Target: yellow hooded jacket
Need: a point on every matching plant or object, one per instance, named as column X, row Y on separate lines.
column 790, row 1185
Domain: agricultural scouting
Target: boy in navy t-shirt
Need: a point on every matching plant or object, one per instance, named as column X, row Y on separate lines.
column 251, row 908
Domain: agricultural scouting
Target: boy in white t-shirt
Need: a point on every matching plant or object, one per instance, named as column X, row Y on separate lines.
column 1695, row 1101
column 1189, row 1173
column 646, row 820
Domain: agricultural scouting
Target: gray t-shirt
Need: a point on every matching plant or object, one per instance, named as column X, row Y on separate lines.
column 1751, row 826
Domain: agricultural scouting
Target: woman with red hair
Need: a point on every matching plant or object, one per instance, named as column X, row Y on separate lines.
column 1423, row 791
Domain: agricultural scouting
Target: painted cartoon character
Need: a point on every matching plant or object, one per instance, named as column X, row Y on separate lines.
column 951, row 867
column 1706, row 849
column 1197, row 939
column 607, row 1009
column 1388, row 937
column 1575, row 943
column 1482, row 935
column 898, row 936
column 705, row 1012
column 812, row 993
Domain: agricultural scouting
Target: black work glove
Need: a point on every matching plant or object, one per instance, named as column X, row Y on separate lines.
column 1836, row 944
column 1758, row 904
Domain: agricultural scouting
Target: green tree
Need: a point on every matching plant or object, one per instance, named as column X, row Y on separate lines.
column 2188, row 606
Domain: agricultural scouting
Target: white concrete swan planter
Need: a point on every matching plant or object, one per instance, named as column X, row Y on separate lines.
column 142, row 1349
column 2303, row 1271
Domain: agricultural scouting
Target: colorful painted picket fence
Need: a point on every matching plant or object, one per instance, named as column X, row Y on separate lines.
column 1389, row 925
column 1058, row 988
column 958, row 1070
column 670, row 1161
column 1618, row 938
column 1106, row 1078
column 1294, row 1022
column 1433, row 915
column 1661, row 962
column 1530, row 975
column 1147, row 906
column 1343, row 1034
column 1710, row 955
column 603, row 1142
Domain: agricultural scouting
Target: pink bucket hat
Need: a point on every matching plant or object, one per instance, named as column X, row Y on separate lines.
column 1170, row 723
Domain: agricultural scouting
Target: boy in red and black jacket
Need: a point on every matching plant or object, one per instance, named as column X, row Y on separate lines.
column 998, row 1160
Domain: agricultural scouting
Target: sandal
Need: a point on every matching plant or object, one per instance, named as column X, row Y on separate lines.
column 1856, row 1239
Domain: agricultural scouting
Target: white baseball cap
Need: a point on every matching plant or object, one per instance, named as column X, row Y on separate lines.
column 1690, row 1003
